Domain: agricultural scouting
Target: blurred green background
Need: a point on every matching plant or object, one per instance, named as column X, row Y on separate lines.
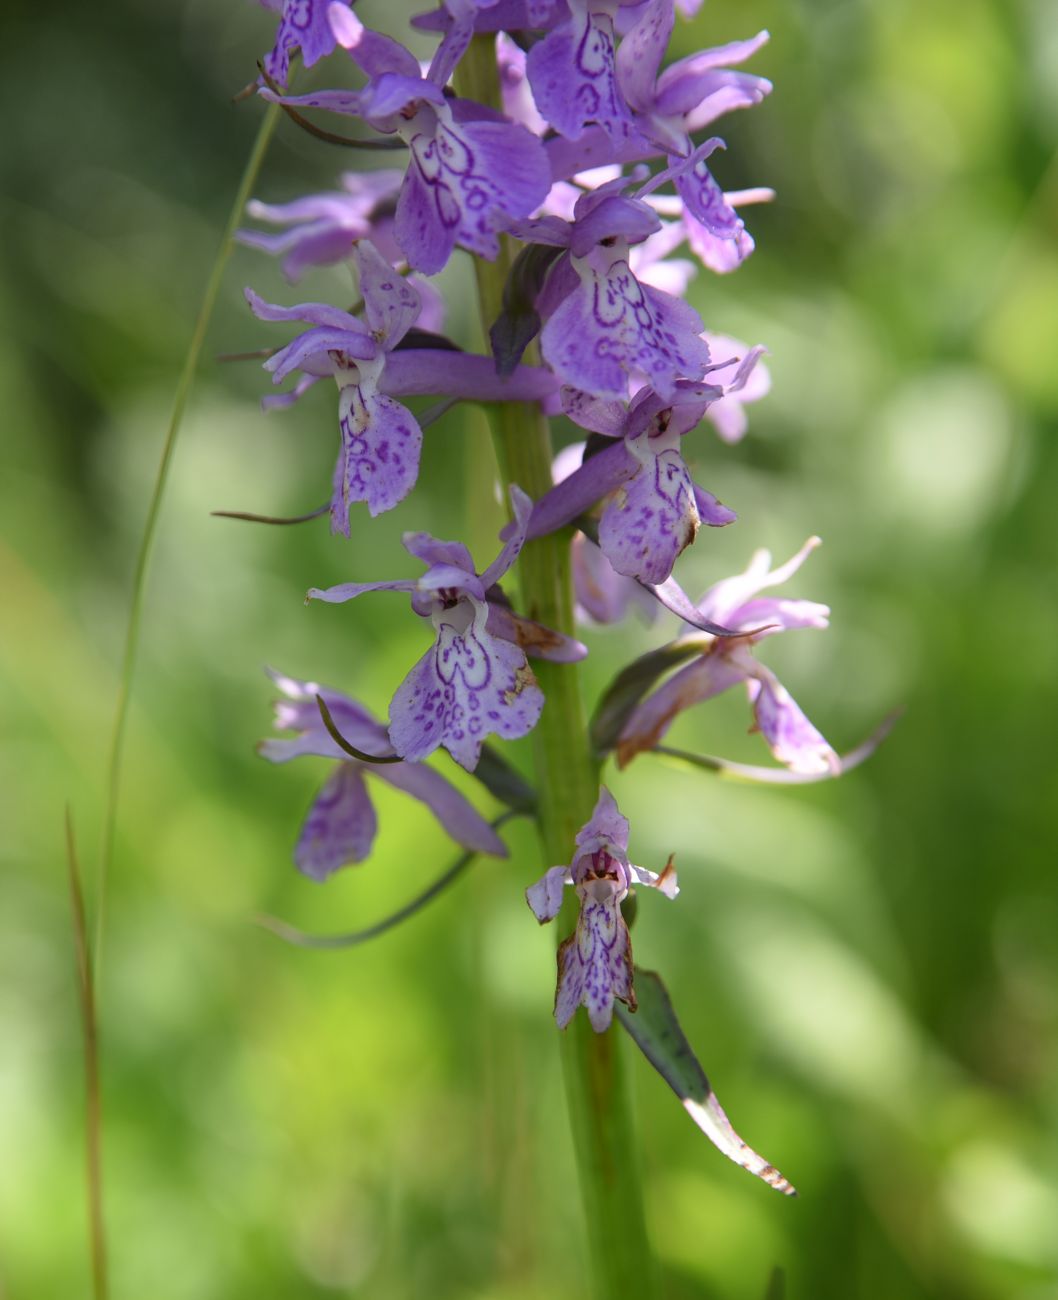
column 869, row 969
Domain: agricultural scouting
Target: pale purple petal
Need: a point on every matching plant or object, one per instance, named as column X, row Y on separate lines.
column 425, row 225
column 719, row 93
column 467, row 686
column 350, row 103
column 300, row 712
column 276, row 401
column 615, row 217
column 775, row 614
column 545, row 897
column 713, row 513
column 371, row 51
column 653, row 517
column 688, row 85
column 518, row 102
column 724, row 601
column 316, row 313
column 599, row 414
column 312, row 350
column 607, row 827
column 432, row 551
column 574, row 79
column 521, row 509
column 641, row 52
column 340, row 826
column 463, row 183
column 666, row 883
column 700, row 680
column 706, row 202
column 727, row 415
column 386, row 99
column 433, row 310
column 379, row 457
column 719, row 255
column 611, row 326
column 304, row 25
column 452, row 48
column 350, row 590
column 595, row 963
column 602, row 593
column 456, row 814
column 570, row 990
column 391, row 304
column 793, row 740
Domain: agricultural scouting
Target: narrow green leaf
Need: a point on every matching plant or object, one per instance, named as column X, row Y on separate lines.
column 633, row 682
column 658, row 1035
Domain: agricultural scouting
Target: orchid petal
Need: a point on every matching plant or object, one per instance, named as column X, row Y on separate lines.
column 545, row 897
column 379, row 459
column 340, row 827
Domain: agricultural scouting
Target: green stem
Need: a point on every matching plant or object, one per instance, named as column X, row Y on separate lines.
column 139, row 579
column 567, row 779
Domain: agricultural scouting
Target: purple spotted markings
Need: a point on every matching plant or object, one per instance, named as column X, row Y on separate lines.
column 475, row 680
column 595, row 962
column 612, row 327
column 303, row 25
column 573, row 74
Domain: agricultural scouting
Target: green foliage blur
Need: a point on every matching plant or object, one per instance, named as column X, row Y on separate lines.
column 869, row 968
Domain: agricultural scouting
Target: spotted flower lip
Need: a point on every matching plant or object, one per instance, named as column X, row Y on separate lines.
column 669, row 106
column 595, row 962
column 652, row 507
column 604, row 326
column 469, row 174
column 739, row 604
column 474, row 680
column 380, row 441
column 304, row 25
column 341, row 824
column 573, row 73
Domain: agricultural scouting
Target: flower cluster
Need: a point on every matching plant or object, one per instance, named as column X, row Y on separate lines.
column 592, row 165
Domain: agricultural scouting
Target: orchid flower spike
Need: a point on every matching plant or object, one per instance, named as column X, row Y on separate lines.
column 595, row 962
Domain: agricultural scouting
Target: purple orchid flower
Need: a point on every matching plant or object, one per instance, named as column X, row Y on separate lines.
column 603, row 326
column 728, row 415
column 573, row 73
column 469, row 174
column 602, row 595
column 720, row 253
column 652, row 507
column 381, row 440
column 595, row 962
column 322, row 228
column 474, row 680
column 303, row 25
column 668, row 109
column 341, row 824
column 737, row 603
